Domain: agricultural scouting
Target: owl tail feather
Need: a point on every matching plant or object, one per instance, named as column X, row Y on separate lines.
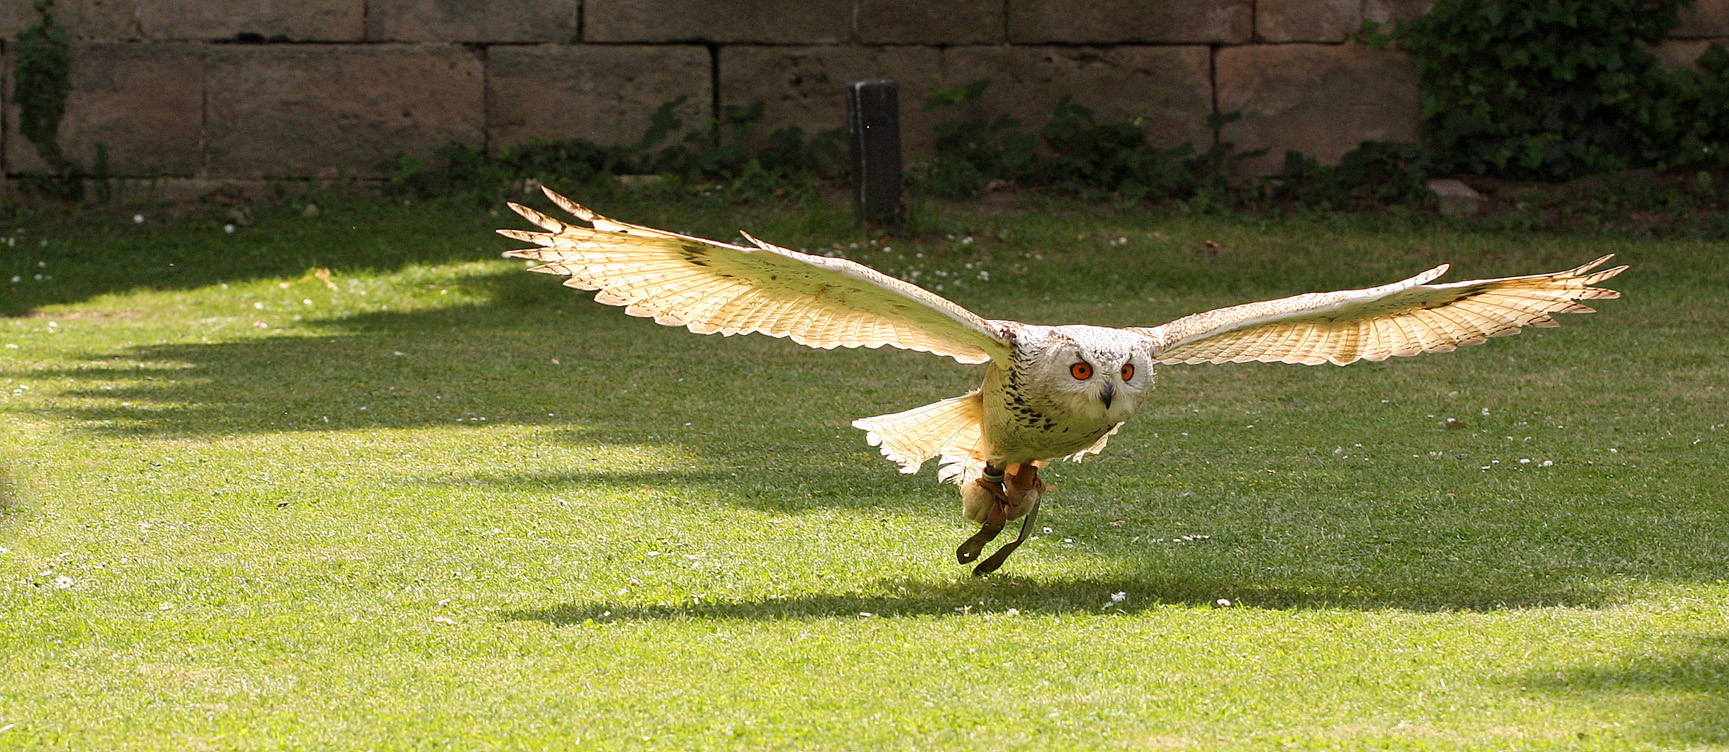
column 952, row 429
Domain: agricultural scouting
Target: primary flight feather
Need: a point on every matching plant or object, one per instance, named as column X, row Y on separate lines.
column 1049, row 392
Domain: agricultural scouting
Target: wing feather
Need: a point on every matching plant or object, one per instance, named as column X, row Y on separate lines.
column 711, row 287
column 1401, row 319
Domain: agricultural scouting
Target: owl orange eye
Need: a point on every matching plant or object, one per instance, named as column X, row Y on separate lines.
column 1128, row 371
column 1081, row 371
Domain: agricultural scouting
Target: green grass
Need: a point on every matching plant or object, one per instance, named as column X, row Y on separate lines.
column 442, row 503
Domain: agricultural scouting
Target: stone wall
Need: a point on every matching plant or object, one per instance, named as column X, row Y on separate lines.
column 252, row 89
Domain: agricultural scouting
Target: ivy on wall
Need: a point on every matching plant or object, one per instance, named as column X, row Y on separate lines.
column 42, row 83
column 1562, row 88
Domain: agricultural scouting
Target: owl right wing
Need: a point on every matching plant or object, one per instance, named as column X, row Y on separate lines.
column 1403, row 318
column 711, row 287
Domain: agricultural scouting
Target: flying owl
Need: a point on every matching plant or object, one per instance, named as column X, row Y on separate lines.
column 1049, row 392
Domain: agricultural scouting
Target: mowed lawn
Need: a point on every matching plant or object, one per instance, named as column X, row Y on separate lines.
column 426, row 500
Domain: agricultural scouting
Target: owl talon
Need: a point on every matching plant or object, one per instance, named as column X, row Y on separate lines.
column 992, row 564
column 995, row 518
column 971, row 547
column 1016, row 492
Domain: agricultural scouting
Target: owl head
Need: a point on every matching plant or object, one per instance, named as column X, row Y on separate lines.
column 1095, row 372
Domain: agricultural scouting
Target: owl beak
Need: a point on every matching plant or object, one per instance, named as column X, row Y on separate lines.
column 1109, row 394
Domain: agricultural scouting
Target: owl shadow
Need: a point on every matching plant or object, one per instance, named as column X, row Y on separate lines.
column 1103, row 596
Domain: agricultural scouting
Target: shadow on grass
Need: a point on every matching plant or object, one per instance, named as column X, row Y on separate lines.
column 1142, row 590
column 70, row 259
column 9, row 503
column 532, row 355
column 69, row 262
column 1684, row 684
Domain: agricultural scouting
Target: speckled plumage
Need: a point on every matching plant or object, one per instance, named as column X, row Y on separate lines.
column 1034, row 405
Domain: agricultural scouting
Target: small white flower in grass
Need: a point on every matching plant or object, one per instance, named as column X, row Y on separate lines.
column 228, row 229
column 1012, row 612
column 1547, row 463
column 137, row 219
column 62, row 582
column 16, row 278
column 443, row 620
column 1524, row 460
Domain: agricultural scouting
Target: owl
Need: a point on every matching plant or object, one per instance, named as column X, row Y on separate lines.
column 1049, row 392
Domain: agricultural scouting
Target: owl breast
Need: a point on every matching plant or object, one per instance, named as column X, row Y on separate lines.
column 1022, row 423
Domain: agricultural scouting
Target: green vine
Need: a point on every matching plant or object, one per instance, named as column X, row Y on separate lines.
column 1563, row 88
column 43, row 82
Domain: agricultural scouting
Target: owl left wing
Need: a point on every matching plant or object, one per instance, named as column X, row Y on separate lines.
column 711, row 287
column 1403, row 318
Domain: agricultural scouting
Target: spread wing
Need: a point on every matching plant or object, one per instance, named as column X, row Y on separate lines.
column 1403, row 318
column 711, row 287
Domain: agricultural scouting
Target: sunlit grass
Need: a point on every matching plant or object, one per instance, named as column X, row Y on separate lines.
column 428, row 500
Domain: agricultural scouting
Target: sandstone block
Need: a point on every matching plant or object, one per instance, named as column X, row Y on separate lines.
column 1168, row 88
column 324, row 110
column 931, row 22
column 1704, row 18
column 1389, row 13
column 291, row 20
column 15, row 16
column 1456, row 199
column 806, row 86
column 1683, row 53
column 603, row 93
column 1307, row 20
column 84, row 20
column 143, row 103
column 1321, row 100
column 758, row 21
column 1130, row 21
column 471, row 21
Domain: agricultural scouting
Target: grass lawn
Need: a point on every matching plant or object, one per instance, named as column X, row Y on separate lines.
column 427, row 500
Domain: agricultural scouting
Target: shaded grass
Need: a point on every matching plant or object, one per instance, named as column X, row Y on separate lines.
column 440, row 502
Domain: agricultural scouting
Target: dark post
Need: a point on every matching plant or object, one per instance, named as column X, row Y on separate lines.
column 873, row 112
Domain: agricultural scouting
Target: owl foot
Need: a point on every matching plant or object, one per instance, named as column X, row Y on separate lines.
column 1014, row 493
column 990, row 565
